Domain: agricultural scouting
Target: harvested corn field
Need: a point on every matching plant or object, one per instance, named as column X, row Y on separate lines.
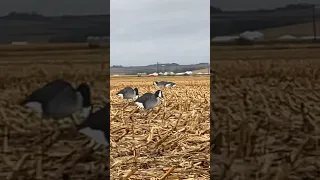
column 265, row 114
column 171, row 141
column 45, row 149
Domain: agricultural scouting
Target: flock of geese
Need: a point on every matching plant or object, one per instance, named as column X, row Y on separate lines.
column 148, row 100
column 59, row 99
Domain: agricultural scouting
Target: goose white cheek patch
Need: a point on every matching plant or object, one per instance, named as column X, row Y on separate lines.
column 96, row 135
column 86, row 112
column 35, row 106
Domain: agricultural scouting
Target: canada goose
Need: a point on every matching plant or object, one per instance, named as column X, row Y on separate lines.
column 58, row 99
column 160, row 84
column 128, row 93
column 164, row 84
column 149, row 100
column 170, row 84
column 97, row 125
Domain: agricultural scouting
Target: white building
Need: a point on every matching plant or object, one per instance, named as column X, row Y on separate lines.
column 188, row 72
column 19, row 43
column 287, row 37
column 252, row 35
column 154, row 74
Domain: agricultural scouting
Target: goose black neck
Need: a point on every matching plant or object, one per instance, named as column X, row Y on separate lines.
column 85, row 92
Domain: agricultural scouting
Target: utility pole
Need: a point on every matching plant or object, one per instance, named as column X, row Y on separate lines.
column 157, row 67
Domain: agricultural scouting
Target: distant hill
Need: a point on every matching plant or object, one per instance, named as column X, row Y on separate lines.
column 298, row 30
column 224, row 23
column 214, row 10
column 172, row 67
column 33, row 27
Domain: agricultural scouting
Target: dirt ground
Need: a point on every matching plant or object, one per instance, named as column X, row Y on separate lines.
column 172, row 141
column 265, row 108
column 38, row 149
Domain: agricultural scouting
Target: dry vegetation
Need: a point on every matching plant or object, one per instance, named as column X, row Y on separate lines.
column 172, row 141
column 265, row 114
column 36, row 149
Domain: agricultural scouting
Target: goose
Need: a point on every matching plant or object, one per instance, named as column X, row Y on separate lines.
column 160, row 84
column 164, row 84
column 149, row 100
column 97, row 125
column 170, row 84
column 58, row 99
column 128, row 93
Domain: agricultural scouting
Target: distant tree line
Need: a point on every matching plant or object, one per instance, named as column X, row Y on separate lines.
column 116, row 66
column 238, row 26
column 101, row 27
column 165, row 69
column 232, row 25
column 214, row 10
column 25, row 16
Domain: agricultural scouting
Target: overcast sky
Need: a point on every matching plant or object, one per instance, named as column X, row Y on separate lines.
column 56, row 7
column 256, row 4
column 145, row 32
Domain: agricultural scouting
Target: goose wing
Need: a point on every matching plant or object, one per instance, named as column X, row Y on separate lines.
column 48, row 92
column 162, row 83
column 65, row 103
column 124, row 90
column 146, row 100
column 144, row 97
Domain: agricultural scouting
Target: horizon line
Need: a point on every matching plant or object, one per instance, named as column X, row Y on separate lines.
column 160, row 64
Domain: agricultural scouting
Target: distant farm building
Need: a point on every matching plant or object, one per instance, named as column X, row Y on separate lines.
column 187, row 73
column 141, row 74
column 168, row 73
column 96, row 41
column 180, row 74
column 19, row 43
column 251, row 35
column 153, row 74
column 223, row 39
column 287, row 37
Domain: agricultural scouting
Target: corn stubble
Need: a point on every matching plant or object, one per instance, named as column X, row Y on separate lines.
column 265, row 120
column 32, row 148
column 170, row 142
